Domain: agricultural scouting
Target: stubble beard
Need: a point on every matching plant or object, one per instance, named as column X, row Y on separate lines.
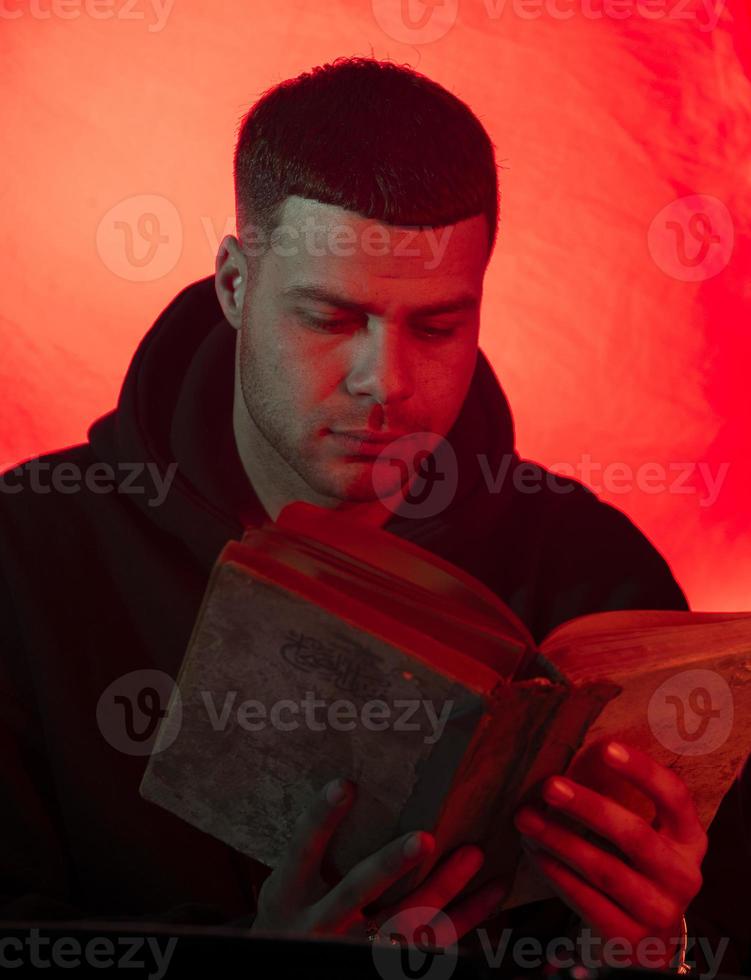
column 295, row 467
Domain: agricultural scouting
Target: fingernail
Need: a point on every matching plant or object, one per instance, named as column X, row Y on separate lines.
column 615, row 752
column 557, row 791
column 413, row 845
column 336, row 792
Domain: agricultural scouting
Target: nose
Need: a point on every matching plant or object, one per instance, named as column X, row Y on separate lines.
column 382, row 364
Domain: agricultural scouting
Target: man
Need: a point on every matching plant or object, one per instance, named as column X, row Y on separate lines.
column 367, row 206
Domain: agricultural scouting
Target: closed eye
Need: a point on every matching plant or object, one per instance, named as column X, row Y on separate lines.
column 325, row 323
column 331, row 324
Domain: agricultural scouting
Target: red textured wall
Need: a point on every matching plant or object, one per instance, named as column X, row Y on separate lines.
column 617, row 303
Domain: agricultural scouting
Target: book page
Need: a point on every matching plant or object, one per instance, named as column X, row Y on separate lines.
column 615, row 621
column 401, row 558
column 613, row 645
column 505, row 653
column 685, row 700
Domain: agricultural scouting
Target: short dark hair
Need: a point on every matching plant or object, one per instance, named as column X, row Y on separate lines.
column 369, row 136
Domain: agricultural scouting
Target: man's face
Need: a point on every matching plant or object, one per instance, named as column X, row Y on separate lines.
column 350, row 324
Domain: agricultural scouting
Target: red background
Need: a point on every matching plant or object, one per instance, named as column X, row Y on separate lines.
column 600, row 122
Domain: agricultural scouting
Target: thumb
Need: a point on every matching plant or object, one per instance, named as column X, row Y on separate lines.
column 313, row 831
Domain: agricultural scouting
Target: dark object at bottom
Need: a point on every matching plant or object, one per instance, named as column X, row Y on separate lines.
column 159, row 951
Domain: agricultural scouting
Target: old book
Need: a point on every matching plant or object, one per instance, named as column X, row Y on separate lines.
column 325, row 648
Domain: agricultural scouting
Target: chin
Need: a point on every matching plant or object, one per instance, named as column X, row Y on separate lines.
column 352, row 486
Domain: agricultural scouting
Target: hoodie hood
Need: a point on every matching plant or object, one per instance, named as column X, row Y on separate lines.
column 173, row 421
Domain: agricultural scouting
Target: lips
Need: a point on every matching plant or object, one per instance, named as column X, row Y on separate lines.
column 363, row 443
column 365, row 435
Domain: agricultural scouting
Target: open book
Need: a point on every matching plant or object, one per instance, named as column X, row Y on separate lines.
column 325, row 647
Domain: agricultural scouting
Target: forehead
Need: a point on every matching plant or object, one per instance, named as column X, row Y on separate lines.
column 322, row 243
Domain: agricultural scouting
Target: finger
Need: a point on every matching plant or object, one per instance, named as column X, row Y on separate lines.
column 472, row 911
column 442, row 885
column 676, row 811
column 312, row 833
column 597, row 911
column 602, row 915
column 650, row 852
column 369, row 879
column 447, row 880
column 636, row 894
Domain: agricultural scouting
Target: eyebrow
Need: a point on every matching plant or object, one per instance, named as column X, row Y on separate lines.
column 465, row 301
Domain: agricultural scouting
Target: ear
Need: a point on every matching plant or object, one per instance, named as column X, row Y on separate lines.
column 231, row 279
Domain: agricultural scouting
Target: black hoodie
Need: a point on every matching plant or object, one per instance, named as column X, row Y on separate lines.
column 102, row 573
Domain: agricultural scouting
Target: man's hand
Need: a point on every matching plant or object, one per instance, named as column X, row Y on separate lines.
column 644, row 889
column 296, row 898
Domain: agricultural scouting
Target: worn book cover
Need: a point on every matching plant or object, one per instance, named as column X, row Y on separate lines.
column 320, row 651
